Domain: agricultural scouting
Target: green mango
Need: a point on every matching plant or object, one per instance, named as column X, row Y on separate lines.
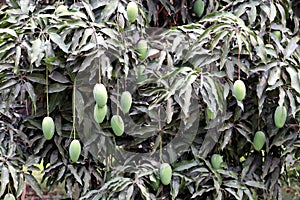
column 126, row 101
column 100, row 94
column 48, row 128
column 61, row 9
column 199, row 8
column 165, row 173
column 142, row 49
column 132, row 11
column 74, row 150
column 216, row 161
column 280, row 116
column 9, row 196
column 100, row 113
column 239, row 90
column 259, row 140
column 117, row 125
column 278, row 34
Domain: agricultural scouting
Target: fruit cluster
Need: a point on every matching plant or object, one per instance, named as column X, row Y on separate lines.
column 239, row 92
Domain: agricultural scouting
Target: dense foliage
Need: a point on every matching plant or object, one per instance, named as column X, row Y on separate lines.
column 184, row 111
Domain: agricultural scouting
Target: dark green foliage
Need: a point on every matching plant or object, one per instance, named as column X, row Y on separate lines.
column 188, row 67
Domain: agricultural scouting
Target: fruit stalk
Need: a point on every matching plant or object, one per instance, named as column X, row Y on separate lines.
column 239, row 64
column 118, row 92
column 47, row 93
column 74, row 111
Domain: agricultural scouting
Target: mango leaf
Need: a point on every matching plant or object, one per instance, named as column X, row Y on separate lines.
column 129, row 192
column 295, row 81
column 89, row 10
column 37, row 78
column 8, row 31
column 109, row 10
column 13, row 173
column 57, row 76
column 21, row 185
column 37, row 52
column 59, row 41
column 292, row 46
column 7, row 84
column 56, row 88
column 75, row 174
column 273, row 12
column 79, row 106
column 175, row 184
column 4, row 179
column 34, row 184
column 30, row 90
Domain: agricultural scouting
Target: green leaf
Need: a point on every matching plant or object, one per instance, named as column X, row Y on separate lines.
column 21, row 185
column 7, row 84
column 255, row 184
column 274, row 75
column 89, row 10
column 292, row 103
column 34, row 184
column 25, row 5
column 86, row 181
column 295, row 81
column 17, row 58
column 109, row 9
column 75, row 174
column 57, row 76
column 184, row 165
column 79, row 106
column 8, row 31
column 292, row 46
column 37, row 50
column 175, row 184
column 272, row 14
column 13, row 173
column 37, row 78
column 30, row 90
column 4, row 179
column 56, row 88
column 144, row 191
column 59, row 41
column 129, row 192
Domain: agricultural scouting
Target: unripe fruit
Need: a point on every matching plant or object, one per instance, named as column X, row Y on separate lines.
column 278, row 34
column 210, row 114
column 280, row 116
column 199, row 8
column 239, row 90
column 126, row 101
column 74, row 150
column 100, row 94
column 142, row 49
column 48, row 127
column 132, row 11
column 61, row 9
column 165, row 173
column 259, row 140
column 117, row 125
column 9, row 196
column 216, row 161
column 99, row 113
